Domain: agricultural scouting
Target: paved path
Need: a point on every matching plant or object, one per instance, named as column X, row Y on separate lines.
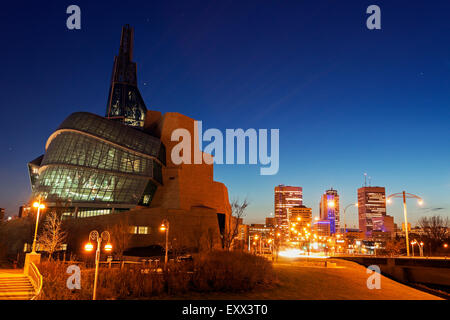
column 14, row 285
column 301, row 280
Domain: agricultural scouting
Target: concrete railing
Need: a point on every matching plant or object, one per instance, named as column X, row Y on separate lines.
column 434, row 271
column 36, row 279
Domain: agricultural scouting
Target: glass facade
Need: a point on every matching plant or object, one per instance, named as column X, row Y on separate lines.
column 93, row 160
column 127, row 105
column 116, row 133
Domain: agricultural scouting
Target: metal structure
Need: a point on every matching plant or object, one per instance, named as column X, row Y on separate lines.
column 165, row 228
column 405, row 195
column 343, row 214
column 39, row 206
column 124, row 101
column 94, row 236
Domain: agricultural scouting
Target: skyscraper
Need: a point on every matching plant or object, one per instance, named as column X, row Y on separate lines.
column 371, row 208
column 286, row 197
column 329, row 209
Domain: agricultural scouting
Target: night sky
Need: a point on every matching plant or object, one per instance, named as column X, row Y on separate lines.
column 347, row 100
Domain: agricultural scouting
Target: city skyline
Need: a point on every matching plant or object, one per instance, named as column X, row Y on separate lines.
column 297, row 85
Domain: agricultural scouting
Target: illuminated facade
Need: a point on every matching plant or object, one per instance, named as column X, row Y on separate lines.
column 329, row 209
column 321, row 228
column 102, row 170
column 95, row 166
column 300, row 221
column 371, row 209
column 286, row 197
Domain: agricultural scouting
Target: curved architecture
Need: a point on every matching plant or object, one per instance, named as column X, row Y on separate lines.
column 91, row 161
column 106, row 171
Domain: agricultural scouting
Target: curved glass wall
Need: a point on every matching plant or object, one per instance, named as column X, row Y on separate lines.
column 78, row 184
column 116, row 132
column 99, row 161
column 81, row 150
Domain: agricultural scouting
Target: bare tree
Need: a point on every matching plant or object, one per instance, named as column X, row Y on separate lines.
column 435, row 227
column 196, row 237
column 234, row 220
column 394, row 247
column 52, row 235
column 120, row 236
column 210, row 238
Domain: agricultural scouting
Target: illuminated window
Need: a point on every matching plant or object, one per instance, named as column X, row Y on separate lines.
column 143, row 230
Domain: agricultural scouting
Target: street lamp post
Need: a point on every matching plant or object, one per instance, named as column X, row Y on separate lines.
column 405, row 195
column 165, row 228
column 421, row 248
column 39, row 206
column 412, row 246
column 343, row 215
column 94, row 236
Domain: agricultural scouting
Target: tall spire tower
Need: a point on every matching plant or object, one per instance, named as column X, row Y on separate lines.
column 125, row 103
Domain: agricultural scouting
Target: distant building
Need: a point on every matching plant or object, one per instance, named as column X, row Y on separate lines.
column 263, row 233
column 300, row 219
column 286, row 197
column 271, row 222
column 260, row 230
column 24, row 211
column 329, row 209
column 371, row 208
column 354, row 234
column 403, row 226
column 321, row 228
column 242, row 237
column 382, row 235
column 2, row 214
column 384, row 224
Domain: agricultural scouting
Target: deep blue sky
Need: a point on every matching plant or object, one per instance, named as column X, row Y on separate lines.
column 347, row 100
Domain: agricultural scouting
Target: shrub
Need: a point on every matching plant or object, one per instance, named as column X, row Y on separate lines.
column 215, row 271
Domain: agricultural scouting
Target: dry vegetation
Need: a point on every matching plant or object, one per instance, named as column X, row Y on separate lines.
column 217, row 271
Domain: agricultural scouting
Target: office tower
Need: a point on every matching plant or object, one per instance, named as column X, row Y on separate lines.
column 286, row 197
column 329, row 209
column 300, row 221
column 321, row 228
column 371, row 209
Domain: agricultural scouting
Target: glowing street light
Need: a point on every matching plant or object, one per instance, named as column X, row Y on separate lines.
column 108, row 247
column 89, row 247
column 165, row 228
column 94, row 236
column 421, row 248
column 39, row 206
column 412, row 246
column 405, row 195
